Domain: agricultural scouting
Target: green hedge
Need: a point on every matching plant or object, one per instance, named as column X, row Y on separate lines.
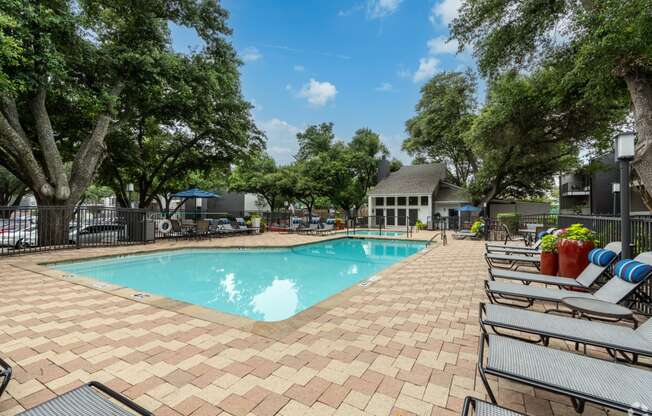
column 510, row 219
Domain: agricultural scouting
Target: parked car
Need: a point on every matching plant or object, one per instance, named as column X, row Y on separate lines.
column 27, row 236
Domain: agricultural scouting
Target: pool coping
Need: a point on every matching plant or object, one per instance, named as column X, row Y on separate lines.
column 276, row 330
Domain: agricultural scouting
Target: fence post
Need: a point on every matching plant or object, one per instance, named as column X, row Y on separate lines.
column 78, row 225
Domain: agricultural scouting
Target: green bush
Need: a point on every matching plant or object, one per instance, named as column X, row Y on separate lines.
column 549, row 243
column 478, row 227
column 420, row 225
column 510, row 219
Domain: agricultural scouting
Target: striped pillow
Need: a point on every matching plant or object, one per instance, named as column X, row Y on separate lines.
column 632, row 271
column 601, row 257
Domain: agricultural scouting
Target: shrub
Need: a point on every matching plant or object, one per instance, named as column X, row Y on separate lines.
column 420, row 225
column 549, row 243
column 579, row 232
column 510, row 219
column 478, row 227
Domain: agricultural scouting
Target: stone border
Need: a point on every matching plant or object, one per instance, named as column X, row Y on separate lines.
column 274, row 330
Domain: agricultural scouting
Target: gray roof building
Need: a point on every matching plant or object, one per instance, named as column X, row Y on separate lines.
column 418, row 179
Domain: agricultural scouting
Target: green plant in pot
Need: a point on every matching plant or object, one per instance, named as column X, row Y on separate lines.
column 478, row 227
column 549, row 255
column 573, row 247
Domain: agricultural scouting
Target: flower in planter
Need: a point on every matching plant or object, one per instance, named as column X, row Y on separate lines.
column 549, row 243
column 578, row 232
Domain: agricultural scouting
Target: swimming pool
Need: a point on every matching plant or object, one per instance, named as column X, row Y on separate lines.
column 260, row 284
column 383, row 233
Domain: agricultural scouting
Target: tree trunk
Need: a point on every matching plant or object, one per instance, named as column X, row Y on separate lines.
column 53, row 223
column 639, row 86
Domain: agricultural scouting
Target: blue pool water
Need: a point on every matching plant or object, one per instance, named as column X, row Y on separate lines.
column 374, row 232
column 261, row 284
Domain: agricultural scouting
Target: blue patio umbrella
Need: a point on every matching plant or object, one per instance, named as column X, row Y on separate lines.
column 469, row 208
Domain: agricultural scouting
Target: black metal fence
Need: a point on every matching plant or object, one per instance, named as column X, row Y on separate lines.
column 607, row 229
column 30, row 229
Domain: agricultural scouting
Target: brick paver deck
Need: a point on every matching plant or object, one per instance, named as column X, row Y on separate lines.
column 406, row 344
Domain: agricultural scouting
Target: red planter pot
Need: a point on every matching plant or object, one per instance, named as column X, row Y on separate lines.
column 573, row 256
column 549, row 263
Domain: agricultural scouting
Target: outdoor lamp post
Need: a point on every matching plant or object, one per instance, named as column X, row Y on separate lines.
column 624, row 152
column 615, row 189
column 130, row 189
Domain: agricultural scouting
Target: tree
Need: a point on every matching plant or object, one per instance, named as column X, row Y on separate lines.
column 395, row 165
column 12, row 190
column 314, row 140
column 445, row 113
column 261, row 176
column 197, row 123
column 62, row 95
column 609, row 42
column 303, row 181
column 530, row 129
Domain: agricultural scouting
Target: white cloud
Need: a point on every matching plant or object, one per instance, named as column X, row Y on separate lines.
column 445, row 11
column 385, row 87
column 427, row 68
column 381, row 8
column 299, row 68
column 441, row 44
column 251, row 54
column 318, row 93
column 281, row 139
column 403, row 72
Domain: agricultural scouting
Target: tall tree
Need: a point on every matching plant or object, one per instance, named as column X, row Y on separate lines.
column 609, row 42
column 198, row 122
column 445, row 112
column 62, row 95
column 261, row 176
column 531, row 128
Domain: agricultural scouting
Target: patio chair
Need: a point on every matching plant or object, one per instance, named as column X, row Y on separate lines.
column 614, row 338
column 295, row 223
column 510, row 237
column 513, row 261
column 5, row 375
column 202, row 229
column 89, row 399
column 615, row 290
column 463, row 234
column 477, row 407
column 586, row 279
column 583, row 379
column 519, row 249
column 242, row 225
column 177, row 230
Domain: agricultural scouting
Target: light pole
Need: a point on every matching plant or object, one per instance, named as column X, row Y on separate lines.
column 615, row 189
column 130, row 189
column 624, row 152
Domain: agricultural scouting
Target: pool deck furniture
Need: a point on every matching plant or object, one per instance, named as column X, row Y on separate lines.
column 614, row 338
column 513, row 261
column 615, row 290
column 473, row 406
column 463, row 234
column 583, row 379
column 5, row 375
column 585, row 280
column 510, row 237
column 89, row 399
column 596, row 308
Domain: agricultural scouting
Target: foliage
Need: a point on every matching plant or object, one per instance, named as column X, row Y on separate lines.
column 261, row 176
column 395, row 165
column 478, row 227
column 605, row 45
column 578, row 232
column 510, row 219
column 549, row 243
column 12, row 189
column 420, row 225
column 96, row 193
column 445, row 113
column 76, row 68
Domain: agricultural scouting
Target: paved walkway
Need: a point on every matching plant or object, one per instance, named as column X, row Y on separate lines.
column 405, row 345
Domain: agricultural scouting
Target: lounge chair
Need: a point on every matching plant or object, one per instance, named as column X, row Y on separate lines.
column 243, row 225
column 5, row 375
column 518, row 249
column 589, row 275
column 89, row 399
column 615, row 290
column 513, row 261
column 295, row 224
column 583, row 379
column 482, row 408
column 510, row 237
column 463, row 234
column 615, row 338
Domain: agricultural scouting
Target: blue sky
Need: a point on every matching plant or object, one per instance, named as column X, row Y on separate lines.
column 355, row 63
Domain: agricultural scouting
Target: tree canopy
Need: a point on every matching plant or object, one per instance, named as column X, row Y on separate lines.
column 76, row 67
column 606, row 45
column 445, row 113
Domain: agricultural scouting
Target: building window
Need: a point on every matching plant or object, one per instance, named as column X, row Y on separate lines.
column 380, row 201
column 414, row 200
column 390, row 201
column 400, row 201
column 424, row 201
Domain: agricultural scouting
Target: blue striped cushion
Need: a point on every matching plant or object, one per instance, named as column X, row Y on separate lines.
column 632, row 271
column 601, row 257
